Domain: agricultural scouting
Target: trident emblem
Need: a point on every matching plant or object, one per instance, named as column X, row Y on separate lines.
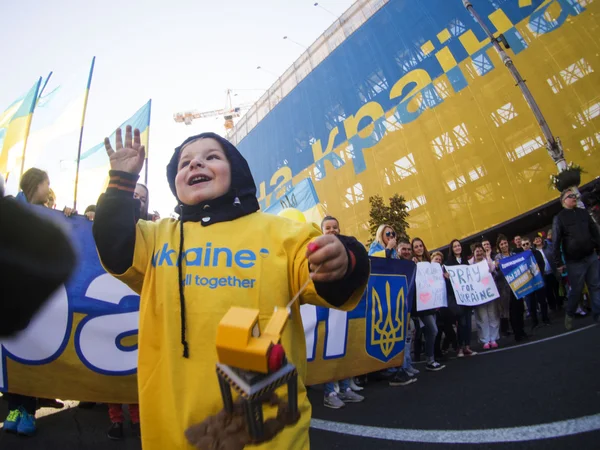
column 387, row 321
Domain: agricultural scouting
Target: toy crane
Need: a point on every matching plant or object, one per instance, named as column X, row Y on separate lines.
column 254, row 363
column 228, row 113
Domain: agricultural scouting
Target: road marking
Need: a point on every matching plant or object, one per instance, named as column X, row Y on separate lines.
column 538, row 341
column 492, row 435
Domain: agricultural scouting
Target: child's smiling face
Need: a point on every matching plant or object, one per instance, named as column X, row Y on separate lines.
column 203, row 172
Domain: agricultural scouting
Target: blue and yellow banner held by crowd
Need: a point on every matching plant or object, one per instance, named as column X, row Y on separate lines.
column 83, row 344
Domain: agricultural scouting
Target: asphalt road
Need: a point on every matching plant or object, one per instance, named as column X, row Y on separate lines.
column 541, row 395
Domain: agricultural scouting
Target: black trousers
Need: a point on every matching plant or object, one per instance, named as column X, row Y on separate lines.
column 445, row 321
column 16, row 401
column 552, row 291
column 538, row 298
column 516, row 311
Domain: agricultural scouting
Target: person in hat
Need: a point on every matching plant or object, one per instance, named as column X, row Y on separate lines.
column 576, row 237
column 221, row 252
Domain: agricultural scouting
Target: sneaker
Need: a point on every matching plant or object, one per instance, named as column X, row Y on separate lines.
column 136, row 430
column 354, row 386
column 494, row 344
column 568, row 322
column 412, row 371
column 26, row 425
column 11, row 423
column 461, row 353
column 350, row 397
column 434, row 366
column 469, row 352
column 115, row 432
column 486, row 346
column 333, row 401
column 402, row 379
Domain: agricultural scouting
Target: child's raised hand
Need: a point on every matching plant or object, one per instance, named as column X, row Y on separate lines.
column 329, row 253
column 129, row 157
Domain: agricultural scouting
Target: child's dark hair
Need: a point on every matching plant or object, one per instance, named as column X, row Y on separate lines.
column 31, row 180
column 326, row 218
column 91, row 208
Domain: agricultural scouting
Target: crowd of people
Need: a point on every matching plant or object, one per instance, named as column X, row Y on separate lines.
column 214, row 188
column 566, row 255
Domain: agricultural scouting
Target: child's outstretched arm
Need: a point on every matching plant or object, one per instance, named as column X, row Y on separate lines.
column 344, row 268
column 117, row 212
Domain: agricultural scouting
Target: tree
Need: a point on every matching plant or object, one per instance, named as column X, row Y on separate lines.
column 394, row 215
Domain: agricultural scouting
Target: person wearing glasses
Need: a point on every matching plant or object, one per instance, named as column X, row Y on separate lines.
column 577, row 236
column 384, row 245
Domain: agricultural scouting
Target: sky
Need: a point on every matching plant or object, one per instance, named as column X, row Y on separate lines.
column 183, row 55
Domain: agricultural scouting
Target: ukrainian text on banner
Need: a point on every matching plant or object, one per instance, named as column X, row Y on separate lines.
column 522, row 273
column 431, row 286
column 83, row 343
column 473, row 284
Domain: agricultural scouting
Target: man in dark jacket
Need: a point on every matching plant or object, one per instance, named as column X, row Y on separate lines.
column 577, row 236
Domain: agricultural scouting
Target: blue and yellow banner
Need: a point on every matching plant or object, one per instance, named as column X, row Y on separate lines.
column 17, row 129
column 522, row 273
column 83, row 344
column 302, row 197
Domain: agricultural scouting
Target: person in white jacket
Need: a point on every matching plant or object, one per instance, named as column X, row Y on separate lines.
column 487, row 315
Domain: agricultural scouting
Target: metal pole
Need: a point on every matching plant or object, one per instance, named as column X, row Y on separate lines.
column 553, row 144
column 147, row 149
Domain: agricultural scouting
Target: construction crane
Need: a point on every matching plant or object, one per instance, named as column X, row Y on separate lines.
column 228, row 113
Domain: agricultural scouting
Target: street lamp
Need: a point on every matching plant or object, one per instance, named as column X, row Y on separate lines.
column 297, row 43
column 325, row 9
column 265, row 70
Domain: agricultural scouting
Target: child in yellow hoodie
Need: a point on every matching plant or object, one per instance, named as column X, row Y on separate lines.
column 222, row 252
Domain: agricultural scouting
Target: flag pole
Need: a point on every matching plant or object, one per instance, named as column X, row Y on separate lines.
column 35, row 98
column 147, row 149
column 85, row 101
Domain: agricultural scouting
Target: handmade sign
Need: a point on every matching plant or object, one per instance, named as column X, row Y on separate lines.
column 473, row 285
column 431, row 287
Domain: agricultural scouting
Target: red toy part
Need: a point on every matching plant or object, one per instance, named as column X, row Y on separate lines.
column 276, row 356
column 313, row 247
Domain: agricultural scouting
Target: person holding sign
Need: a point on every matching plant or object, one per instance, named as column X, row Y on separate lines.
column 447, row 316
column 486, row 315
column 516, row 309
column 457, row 258
column 427, row 317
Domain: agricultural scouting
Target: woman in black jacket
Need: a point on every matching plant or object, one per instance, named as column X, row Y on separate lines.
column 456, row 257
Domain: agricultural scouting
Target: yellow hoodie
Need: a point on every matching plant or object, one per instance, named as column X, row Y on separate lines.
column 256, row 261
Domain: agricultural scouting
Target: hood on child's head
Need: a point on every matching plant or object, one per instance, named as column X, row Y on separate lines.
column 242, row 183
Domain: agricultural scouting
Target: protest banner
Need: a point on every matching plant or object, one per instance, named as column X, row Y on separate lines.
column 522, row 273
column 82, row 345
column 431, row 287
column 473, row 284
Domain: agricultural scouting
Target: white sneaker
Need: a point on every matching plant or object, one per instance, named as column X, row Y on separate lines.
column 354, row 386
column 332, row 401
column 350, row 397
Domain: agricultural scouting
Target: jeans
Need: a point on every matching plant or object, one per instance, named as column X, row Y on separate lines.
column 464, row 327
column 586, row 270
column 431, row 332
column 16, row 401
column 538, row 298
column 407, row 345
column 488, row 321
column 344, row 386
